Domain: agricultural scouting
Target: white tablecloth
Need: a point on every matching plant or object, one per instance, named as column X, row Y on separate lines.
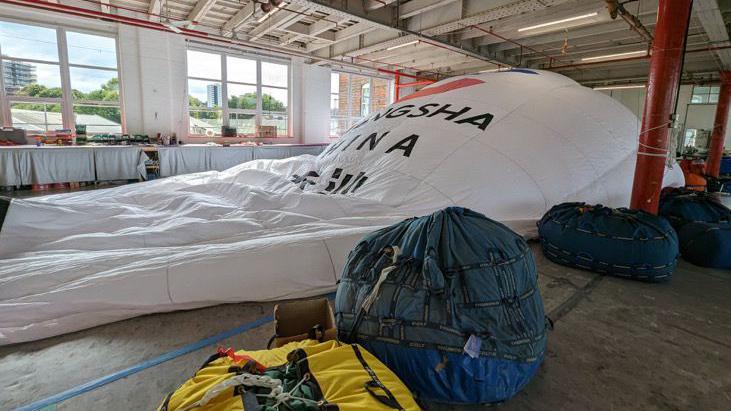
column 194, row 158
column 24, row 165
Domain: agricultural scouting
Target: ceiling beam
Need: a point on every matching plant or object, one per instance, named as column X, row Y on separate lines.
column 490, row 14
column 239, row 18
column 377, row 4
column 154, row 8
column 416, row 7
column 201, row 8
column 711, row 19
column 344, row 34
column 279, row 19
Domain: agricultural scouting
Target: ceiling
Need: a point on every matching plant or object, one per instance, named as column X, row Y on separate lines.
column 436, row 38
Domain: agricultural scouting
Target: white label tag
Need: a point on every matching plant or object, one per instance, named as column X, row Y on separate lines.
column 472, row 347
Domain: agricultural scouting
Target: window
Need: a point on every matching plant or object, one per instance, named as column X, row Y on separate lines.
column 35, row 94
column 256, row 93
column 353, row 97
column 705, row 95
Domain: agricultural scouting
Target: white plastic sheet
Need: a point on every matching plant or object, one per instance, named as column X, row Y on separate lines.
column 509, row 145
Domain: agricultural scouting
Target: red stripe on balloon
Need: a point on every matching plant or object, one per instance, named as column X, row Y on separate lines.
column 452, row 85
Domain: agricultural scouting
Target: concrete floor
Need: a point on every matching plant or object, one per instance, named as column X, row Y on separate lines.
column 617, row 344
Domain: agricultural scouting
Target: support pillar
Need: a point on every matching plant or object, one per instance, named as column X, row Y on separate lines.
column 718, row 136
column 665, row 70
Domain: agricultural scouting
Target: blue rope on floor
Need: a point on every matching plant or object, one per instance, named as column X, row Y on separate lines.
column 99, row 382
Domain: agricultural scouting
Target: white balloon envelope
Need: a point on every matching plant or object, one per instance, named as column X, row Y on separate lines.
column 509, row 145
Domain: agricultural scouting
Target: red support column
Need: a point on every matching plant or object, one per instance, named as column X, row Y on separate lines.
column 715, row 149
column 397, row 83
column 662, row 83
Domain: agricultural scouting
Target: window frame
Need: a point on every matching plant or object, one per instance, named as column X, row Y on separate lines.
column 707, row 95
column 350, row 117
column 66, row 100
column 226, row 111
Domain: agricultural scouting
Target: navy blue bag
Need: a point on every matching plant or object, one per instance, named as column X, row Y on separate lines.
column 706, row 244
column 681, row 206
column 450, row 303
column 622, row 242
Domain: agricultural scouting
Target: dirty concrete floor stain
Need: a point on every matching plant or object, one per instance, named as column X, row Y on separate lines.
column 617, row 344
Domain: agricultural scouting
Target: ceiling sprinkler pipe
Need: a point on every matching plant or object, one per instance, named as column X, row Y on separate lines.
column 617, row 9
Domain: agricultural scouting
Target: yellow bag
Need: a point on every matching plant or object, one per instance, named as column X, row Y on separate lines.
column 220, row 367
column 345, row 377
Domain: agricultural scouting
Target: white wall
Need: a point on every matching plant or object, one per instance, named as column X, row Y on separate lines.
column 699, row 116
column 315, row 107
column 152, row 67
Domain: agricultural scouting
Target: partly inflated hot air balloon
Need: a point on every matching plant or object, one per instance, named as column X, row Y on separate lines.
column 509, row 145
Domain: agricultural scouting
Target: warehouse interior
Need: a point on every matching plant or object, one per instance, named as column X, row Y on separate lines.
column 511, row 204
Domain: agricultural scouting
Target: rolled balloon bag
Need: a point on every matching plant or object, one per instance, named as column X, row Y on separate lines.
column 706, row 244
column 450, row 303
column 681, row 206
column 621, row 242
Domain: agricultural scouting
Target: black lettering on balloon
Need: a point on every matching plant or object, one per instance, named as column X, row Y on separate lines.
column 385, row 113
column 407, row 145
column 352, row 140
column 423, row 110
column 355, row 181
column 480, row 121
column 345, row 181
column 372, row 141
column 400, row 111
column 451, row 114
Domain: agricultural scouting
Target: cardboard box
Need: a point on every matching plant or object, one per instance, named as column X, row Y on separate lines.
column 266, row 131
column 300, row 320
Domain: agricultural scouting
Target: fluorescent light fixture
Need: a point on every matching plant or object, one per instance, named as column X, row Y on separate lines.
column 267, row 15
column 614, row 56
column 402, row 45
column 620, row 87
column 553, row 23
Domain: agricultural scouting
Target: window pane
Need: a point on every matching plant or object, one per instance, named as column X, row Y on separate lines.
column 335, row 82
column 91, row 50
column 91, row 84
column 240, row 96
column 205, row 122
column 244, row 123
column 204, row 65
column 716, row 89
column 240, row 70
column 338, row 127
column 713, row 98
column 379, row 94
column 701, row 90
column 36, row 116
column 32, row 79
column 274, row 74
column 278, row 120
column 357, row 94
column 365, row 100
column 274, row 99
column 334, row 104
column 98, row 119
column 204, row 94
column 31, row 42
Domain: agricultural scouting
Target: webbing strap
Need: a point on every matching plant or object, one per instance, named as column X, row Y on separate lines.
column 388, row 400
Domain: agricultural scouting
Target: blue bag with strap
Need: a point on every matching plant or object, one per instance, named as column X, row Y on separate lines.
column 450, row 303
column 622, row 242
